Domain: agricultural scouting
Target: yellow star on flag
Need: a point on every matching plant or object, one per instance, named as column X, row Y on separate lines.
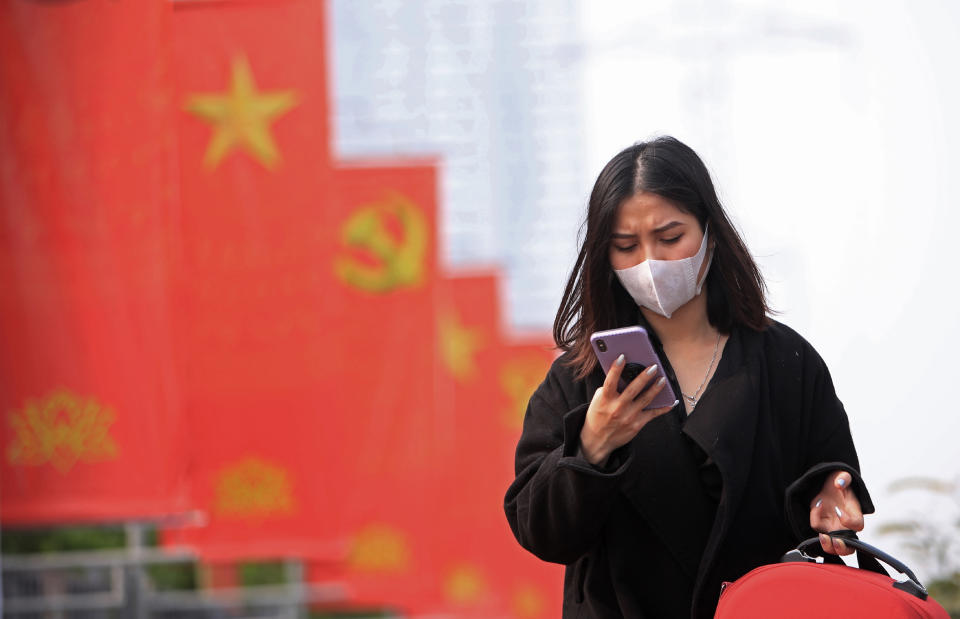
column 241, row 117
column 519, row 378
column 458, row 347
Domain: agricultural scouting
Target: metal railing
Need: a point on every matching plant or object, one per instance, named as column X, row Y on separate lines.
column 116, row 583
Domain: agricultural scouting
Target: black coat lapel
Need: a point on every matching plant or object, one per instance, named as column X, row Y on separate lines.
column 727, row 437
column 725, row 425
column 663, row 484
column 725, row 421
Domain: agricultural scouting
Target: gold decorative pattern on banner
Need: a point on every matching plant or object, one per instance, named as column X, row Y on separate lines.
column 464, row 584
column 396, row 262
column 253, row 488
column 61, row 430
column 458, row 346
column 380, row 548
column 241, row 117
column 528, row 602
column 519, row 378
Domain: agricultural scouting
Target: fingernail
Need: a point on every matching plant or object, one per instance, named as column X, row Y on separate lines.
column 824, row 539
column 819, row 503
column 842, row 481
column 620, row 360
column 675, row 402
column 662, row 380
column 839, row 513
column 652, row 369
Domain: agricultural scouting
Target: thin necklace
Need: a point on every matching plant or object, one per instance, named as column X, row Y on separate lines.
column 693, row 399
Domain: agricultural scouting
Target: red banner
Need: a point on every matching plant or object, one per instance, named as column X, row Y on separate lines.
column 448, row 549
column 302, row 450
column 342, row 402
column 251, row 280
column 252, row 114
column 349, row 395
column 91, row 409
column 483, row 571
column 306, row 319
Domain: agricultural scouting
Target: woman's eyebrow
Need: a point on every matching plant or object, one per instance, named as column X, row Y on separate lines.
column 665, row 227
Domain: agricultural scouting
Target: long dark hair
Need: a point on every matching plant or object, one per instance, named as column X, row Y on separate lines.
column 594, row 299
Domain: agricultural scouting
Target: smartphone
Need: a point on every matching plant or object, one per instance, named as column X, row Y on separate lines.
column 634, row 344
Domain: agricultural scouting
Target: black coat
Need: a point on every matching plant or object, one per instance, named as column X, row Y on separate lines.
column 642, row 536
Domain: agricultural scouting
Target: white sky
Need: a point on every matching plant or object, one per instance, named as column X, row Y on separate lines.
column 831, row 131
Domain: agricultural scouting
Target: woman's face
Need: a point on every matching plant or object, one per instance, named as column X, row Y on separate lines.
column 649, row 226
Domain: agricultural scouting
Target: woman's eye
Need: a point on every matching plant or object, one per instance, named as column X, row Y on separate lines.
column 624, row 249
column 673, row 240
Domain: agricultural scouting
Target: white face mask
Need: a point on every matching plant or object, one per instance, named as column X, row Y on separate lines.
column 665, row 285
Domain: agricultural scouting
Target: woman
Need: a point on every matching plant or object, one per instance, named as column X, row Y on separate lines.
column 651, row 510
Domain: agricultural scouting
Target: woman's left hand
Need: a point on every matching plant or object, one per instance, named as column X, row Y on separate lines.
column 836, row 507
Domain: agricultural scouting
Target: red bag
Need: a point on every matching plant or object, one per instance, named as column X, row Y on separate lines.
column 799, row 587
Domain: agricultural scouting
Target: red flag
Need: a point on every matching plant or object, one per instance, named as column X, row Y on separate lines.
column 338, row 442
column 252, row 279
column 307, row 296
column 484, row 572
column 92, row 425
column 383, row 444
column 252, row 114
column 452, row 553
column 329, row 420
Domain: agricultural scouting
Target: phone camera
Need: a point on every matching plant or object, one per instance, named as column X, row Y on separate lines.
column 602, row 345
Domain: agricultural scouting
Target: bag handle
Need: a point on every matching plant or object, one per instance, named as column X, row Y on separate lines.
column 867, row 557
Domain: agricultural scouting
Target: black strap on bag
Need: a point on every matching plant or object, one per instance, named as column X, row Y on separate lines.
column 868, row 558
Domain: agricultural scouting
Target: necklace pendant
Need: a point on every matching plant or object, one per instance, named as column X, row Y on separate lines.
column 695, row 397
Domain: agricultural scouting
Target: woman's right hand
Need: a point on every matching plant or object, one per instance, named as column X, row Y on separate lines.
column 613, row 419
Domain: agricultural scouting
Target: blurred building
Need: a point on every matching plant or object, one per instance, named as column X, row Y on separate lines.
column 494, row 90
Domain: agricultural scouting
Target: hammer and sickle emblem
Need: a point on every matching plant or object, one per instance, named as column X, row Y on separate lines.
column 399, row 262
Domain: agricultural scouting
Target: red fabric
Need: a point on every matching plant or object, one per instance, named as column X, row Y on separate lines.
column 179, row 252
column 307, row 312
column 92, row 426
column 450, row 551
column 381, row 423
column 251, row 274
column 803, row 590
column 342, row 408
